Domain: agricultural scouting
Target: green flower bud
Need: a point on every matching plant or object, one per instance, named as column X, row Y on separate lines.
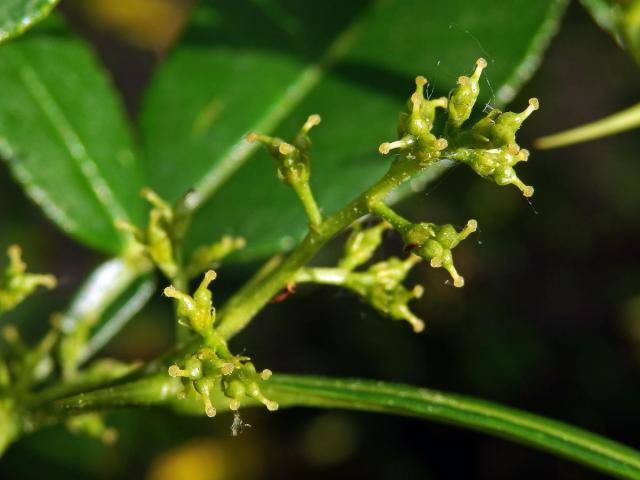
column 192, row 370
column 206, row 387
column 398, row 308
column 209, row 256
column 213, row 368
column 235, row 391
column 165, row 230
column 463, row 98
column 92, row 425
column 435, row 242
column 16, row 284
column 159, row 244
column 381, row 286
column 197, row 312
column 503, row 132
column 291, row 159
column 361, row 244
column 497, row 164
column 414, row 127
column 497, row 129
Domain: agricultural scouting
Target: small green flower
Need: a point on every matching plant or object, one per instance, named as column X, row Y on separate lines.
column 293, row 166
column 380, row 285
column 197, row 311
column 463, row 98
column 497, row 164
column 16, row 284
column 92, row 425
column 291, row 159
column 361, row 244
column 158, row 239
column 415, row 125
column 435, row 242
column 212, row 370
column 25, row 366
column 209, row 256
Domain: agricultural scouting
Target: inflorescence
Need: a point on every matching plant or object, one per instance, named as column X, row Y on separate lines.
column 488, row 147
column 210, row 371
column 163, row 237
column 213, row 368
column 206, row 367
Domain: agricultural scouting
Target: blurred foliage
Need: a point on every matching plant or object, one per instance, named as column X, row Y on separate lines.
column 621, row 18
column 146, row 24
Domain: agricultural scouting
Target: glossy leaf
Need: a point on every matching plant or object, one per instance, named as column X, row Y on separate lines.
column 65, row 137
column 16, row 16
column 258, row 66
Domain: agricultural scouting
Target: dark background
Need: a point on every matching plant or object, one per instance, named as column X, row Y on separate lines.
column 549, row 320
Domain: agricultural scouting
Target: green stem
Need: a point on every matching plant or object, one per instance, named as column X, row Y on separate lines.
column 9, row 427
column 303, row 190
column 151, row 390
column 398, row 222
column 103, row 287
column 616, row 123
column 249, row 300
column 326, row 276
column 181, row 283
column 372, row 396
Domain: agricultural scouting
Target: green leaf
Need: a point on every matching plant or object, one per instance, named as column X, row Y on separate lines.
column 621, row 20
column 607, row 15
column 372, row 396
column 249, row 66
column 65, row 137
column 16, row 16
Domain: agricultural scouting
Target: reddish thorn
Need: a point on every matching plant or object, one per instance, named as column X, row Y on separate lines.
column 284, row 294
column 410, row 247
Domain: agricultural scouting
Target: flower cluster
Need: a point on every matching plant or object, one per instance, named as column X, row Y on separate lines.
column 435, row 242
column 162, row 239
column 380, row 285
column 292, row 164
column 22, row 366
column 291, row 159
column 213, row 369
column 415, row 127
column 489, row 146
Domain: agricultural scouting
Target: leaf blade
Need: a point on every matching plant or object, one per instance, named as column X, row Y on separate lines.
column 16, row 16
column 65, row 138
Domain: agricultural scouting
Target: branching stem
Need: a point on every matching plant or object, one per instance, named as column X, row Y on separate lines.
column 249, row 300
column 303, row 190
